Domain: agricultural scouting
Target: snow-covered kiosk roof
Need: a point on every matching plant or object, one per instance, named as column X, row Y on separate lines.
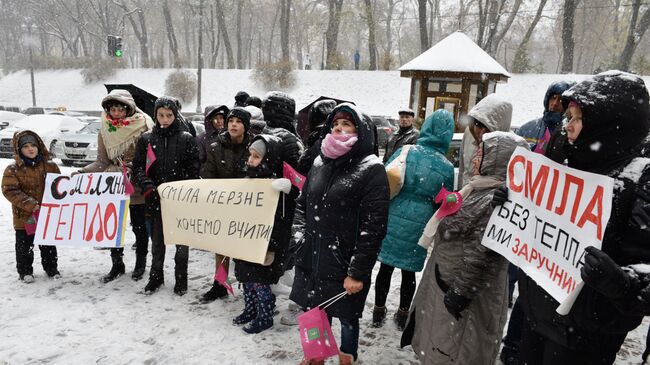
column 454, row 74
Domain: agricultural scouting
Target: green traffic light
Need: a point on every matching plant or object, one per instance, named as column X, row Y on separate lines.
column 118, row 53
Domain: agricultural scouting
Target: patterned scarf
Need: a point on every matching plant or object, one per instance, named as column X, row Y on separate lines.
column 120, row 135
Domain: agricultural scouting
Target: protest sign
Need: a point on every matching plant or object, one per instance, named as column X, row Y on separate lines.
column 83, row 210
column 232, row 217
column 553, row 212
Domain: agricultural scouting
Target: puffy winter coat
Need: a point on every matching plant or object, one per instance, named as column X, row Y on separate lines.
column 22, row 184
column 205, row 139
column 534, row 130
column 400, row 138
column 226, row 160
column 270, row 167
column 494, row 113
column 427, row 170
column 104, row 162
column 317, row 117
column 176, row 151
column 460, row 263
column 340, row 221
column 616, row 118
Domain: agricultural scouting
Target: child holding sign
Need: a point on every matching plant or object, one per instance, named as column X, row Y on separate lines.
column 23, row 183
column 165, row 154
column 265, row 161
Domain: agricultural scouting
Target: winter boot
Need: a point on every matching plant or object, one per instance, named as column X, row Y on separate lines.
column 401, row 316
column 250, row 306
column 291, row 317
column 117, row 270
column 216, row 292
column 346, row 359
column 140, row 267
column 265, row 307
column 312, row 362
column 27, row 279
column 180, row 288
column 155, row 282
column 378, row 316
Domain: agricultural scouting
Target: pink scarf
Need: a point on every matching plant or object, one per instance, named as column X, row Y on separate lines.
column 337, row 145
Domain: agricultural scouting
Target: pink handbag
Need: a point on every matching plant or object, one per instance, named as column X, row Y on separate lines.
column 30, row 225
column 316, row 335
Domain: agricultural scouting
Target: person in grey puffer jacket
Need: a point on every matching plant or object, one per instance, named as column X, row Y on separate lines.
column 491, row 114
column 460, row 308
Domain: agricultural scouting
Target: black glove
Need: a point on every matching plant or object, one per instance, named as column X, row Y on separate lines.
column 147, row 187
column 500, row 196
column 641, row 212
column 456, row 303
column 604, row 275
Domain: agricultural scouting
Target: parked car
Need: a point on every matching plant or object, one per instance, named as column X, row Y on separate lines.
column 384, row 129
column 9, row 118
column 80, row 147
column 49, row 127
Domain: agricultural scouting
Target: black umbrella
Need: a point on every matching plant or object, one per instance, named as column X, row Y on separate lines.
column 143, row 99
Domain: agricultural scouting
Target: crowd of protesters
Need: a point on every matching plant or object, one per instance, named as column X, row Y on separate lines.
column 347, row 216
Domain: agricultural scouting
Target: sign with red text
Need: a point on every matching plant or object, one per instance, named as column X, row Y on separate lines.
column 83, row 210
column 232, row 217
column 553, row 212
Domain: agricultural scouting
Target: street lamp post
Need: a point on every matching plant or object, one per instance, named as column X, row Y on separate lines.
column 200, row 65
column 29, row 42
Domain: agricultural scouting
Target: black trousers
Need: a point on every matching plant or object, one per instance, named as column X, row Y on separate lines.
column 25, row 255
column 139, row 228
column 382, row 287
column 158, row 251
column 598, row 349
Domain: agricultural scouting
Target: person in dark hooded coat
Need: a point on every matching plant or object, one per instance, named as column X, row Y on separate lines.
column 317, row 117
column 607, row 134
column 279, row 111
column 534, row 131
column 264, row 162
column 177, row 158
column 226, row 159
column 214, row 123
column 340, row 221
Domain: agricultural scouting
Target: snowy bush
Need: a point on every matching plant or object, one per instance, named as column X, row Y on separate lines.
column 275, row 76
column 386, row 61
column 99, row 70
column 181, row 84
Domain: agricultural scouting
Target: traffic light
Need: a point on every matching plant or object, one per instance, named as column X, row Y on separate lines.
column 114, row 46
column 118, row 47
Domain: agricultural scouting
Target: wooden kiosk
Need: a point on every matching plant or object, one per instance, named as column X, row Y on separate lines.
column 454, row 75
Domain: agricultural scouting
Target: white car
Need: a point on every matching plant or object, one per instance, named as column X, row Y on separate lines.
column 9, row 118
column 80, row 147
column 49, row 127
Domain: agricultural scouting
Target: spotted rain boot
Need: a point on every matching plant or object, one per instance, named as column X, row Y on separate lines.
column 250, row 306
column 265, row 307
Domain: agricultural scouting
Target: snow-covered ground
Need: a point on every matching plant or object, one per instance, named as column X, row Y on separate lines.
column 79, row 320
column 376, row 92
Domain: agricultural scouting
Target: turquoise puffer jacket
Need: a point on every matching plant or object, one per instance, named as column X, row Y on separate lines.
column 427, row 170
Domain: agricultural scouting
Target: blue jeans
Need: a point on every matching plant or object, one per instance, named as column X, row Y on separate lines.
column 349, row 335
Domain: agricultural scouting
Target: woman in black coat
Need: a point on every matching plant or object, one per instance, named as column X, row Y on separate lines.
column 340, row 221
column 608, row 123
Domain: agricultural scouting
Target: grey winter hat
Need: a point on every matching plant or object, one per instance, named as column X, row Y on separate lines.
column 27, row 138
column 258, row 146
